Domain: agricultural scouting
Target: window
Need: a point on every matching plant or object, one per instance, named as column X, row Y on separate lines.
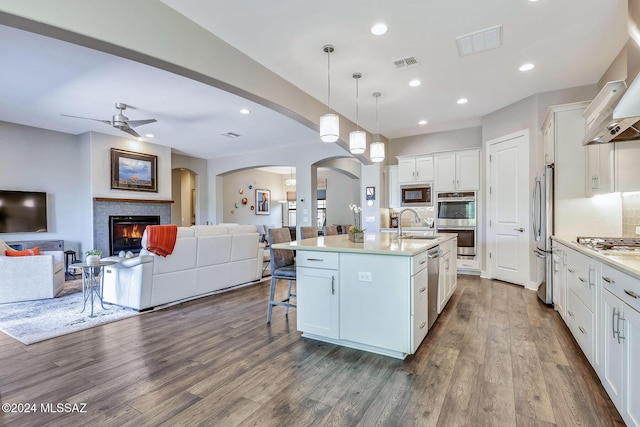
column 322, row 213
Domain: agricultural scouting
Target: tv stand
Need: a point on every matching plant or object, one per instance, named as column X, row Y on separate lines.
column 44, row 245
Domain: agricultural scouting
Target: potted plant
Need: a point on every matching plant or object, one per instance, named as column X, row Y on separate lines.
column 93, row 256
column 356, row 234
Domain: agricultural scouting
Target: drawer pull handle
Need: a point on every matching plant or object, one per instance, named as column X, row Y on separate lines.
column 423, row 261
column 620, row 336
column 608, row 280
column 582, row 280
column 571, row 271
column 422, row 325
column 631, row 294
column 333, row 285
column 424, row 288
column 582, row 329
column 569, row 313
column 315, row 259
column 613, row 322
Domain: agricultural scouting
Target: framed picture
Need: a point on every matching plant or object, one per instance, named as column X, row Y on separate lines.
column 263, row 202
column 370, row 193
column 133, row 171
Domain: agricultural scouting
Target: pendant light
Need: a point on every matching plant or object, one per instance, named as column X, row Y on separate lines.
column 291, row 181
column 329, row 123
column 376, row 149
column 357, row 138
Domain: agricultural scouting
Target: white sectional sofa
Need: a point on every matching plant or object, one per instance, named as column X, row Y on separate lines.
column 205, row 259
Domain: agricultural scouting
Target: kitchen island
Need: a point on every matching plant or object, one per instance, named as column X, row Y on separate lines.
column 374, row 295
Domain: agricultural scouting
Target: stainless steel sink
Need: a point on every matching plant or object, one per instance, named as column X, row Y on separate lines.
column 419, row 236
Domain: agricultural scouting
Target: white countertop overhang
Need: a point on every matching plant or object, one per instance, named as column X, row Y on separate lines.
column 374, row 243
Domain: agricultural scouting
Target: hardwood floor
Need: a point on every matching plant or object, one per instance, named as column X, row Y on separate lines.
column 495, row 357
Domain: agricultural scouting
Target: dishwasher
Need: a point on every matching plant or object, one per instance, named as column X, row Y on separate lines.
column 433, row 271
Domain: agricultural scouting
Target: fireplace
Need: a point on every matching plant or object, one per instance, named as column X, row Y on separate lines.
column 125, row 232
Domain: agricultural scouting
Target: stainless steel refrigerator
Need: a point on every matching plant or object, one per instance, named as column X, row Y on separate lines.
column 542, row 225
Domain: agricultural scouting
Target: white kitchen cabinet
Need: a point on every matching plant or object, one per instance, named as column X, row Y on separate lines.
column 627, row 159
column 457, row 170
column 620, row 342
column 565, row 129
column 318, row 293
column 392, row 184
column 415, row 169
column 600, row 178
column 582, row 290
column 448, row 279
column 549, row 139
column 559, row 279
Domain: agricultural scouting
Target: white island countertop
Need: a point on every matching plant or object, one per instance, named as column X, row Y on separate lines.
column 374, row 243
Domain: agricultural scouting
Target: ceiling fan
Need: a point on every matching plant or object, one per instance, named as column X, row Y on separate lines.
column 120, row 121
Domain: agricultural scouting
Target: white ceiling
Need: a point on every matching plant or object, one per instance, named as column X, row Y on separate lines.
column 571, row 42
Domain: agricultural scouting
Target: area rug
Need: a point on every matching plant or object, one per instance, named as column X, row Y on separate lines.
column 33, row 321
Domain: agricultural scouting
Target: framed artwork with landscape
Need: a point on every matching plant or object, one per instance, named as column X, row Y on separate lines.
column 263, row 202
column 133, row 171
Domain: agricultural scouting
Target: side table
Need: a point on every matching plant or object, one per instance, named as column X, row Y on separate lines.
column 92, row 282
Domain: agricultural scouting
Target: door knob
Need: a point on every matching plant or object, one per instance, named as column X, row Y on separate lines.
column 519, row 229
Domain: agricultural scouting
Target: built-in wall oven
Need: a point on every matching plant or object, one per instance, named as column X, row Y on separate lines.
column 456, row 213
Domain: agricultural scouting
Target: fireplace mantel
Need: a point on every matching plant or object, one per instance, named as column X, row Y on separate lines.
column 109, row 199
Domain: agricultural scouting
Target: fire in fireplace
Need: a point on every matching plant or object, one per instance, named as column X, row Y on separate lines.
column 125, row 232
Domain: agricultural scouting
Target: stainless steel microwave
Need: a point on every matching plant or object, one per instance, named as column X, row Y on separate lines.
column 415, row 195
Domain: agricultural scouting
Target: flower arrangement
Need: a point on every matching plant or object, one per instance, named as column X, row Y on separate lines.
column 356, row 217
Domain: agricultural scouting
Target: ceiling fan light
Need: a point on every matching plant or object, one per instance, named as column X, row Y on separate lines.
column 376, row 151
column 329, row 127
column 357, row 142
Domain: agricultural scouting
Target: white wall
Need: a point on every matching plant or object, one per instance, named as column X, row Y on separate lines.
column 199, row 168
column 236, row 182
column 101, row 145
column 40, row 160
column 433, row 142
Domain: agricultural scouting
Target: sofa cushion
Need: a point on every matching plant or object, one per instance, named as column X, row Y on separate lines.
column 241, row 229
column 26, row 252
column 213, row 250
column 244, row 246
column 209, row 230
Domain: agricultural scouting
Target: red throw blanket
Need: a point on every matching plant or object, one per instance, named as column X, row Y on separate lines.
column 161, row 239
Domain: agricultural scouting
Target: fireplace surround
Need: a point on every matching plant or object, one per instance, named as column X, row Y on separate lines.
column 125, row 232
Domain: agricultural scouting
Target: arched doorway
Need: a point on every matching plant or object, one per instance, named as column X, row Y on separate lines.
column 183, row 193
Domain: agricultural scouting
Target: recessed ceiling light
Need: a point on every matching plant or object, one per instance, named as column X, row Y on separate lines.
column 462, row 101
column 415, row 82
column 422, row 122
column 527, row 67
column 149, row 135
column 378, row 29
column 533, row 0
column 245, row 111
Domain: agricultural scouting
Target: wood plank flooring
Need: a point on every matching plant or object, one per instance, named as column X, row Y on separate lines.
column 495, row 357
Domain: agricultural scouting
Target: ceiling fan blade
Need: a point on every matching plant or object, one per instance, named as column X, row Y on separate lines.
column 87, row 118
column 135, row 123
column 131, row 132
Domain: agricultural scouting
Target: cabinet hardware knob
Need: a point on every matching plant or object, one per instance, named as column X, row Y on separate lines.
column 424, row 288
column 582, row 329
column 569, row 313
column 422, row 325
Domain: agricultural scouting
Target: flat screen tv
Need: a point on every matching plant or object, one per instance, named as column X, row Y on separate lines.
column 23, row 211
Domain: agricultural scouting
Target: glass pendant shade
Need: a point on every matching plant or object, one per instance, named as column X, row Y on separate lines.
column 357, row 142
column 329, row 127
column 376, row 150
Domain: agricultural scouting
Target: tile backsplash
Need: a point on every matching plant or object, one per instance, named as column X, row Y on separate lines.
column 409, row 221
column 630, row 215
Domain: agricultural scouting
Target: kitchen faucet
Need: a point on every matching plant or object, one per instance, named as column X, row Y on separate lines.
column 415, row 215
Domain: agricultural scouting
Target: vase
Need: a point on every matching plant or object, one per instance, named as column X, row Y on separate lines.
column 356, row 237
column 92, row 259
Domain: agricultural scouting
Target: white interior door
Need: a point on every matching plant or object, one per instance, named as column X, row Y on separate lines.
column 508, row 232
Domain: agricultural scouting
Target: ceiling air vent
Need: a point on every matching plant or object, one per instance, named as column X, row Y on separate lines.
column 230, row 135
column 405, row 63
column 487, row 39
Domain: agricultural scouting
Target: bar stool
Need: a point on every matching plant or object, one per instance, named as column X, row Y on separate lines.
column 282, row 267
column 330, row 230
column 69, row 258
column 308, row 232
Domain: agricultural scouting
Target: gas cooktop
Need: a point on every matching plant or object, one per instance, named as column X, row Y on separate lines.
column 611, row 245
